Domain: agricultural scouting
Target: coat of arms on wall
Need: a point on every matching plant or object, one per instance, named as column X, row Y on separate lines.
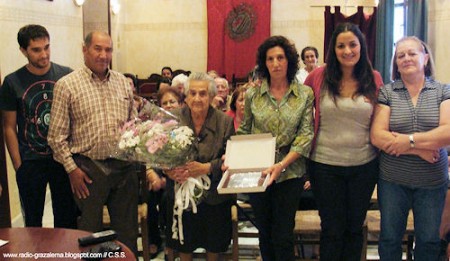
column 241, row 22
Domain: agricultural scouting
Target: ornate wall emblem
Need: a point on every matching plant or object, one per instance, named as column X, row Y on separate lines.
column 241, row 22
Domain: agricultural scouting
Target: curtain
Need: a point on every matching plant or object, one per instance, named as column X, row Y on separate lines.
column 235, row 30
column 417, row 19
column 367, row 25
column 385, row 38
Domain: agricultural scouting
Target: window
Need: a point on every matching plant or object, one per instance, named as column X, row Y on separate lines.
column 399, row 19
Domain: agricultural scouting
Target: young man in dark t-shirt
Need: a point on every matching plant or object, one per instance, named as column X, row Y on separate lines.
column 25, row 100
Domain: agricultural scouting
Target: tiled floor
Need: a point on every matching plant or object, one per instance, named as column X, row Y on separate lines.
column 248, row 253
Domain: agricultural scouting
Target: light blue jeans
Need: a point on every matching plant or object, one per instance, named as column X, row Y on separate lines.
column 427, row 205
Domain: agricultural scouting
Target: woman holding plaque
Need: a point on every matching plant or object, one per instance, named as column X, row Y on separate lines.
column 283, row 107
column 344, row 165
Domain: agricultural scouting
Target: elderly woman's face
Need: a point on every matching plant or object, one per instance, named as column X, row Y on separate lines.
column 310, row 59
column 410, row 58
column 276, row 62
column 197, row 97
column 169, row 101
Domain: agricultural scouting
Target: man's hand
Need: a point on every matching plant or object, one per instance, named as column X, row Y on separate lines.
column 155, row 183
column 78, row 179
column 307, row 185
column 217, row 101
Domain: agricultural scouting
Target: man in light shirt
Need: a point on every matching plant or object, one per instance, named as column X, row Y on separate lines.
column 89, row 106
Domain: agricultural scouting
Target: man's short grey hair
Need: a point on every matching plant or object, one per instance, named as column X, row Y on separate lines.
column 225, row 81
column 88, row 38
column 201, row 76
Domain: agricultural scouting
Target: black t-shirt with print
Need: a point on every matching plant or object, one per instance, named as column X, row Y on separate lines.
column 31, row 97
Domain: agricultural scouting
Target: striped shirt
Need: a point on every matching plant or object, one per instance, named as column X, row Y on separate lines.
column 411, row 170
column 86, row 115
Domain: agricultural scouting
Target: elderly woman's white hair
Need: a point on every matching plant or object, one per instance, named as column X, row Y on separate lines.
column 201, row 76
column 179, row 79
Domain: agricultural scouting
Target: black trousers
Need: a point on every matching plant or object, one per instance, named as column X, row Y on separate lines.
column 343, row 197
column 155, row 210
column 32, row 178
column 274, row 212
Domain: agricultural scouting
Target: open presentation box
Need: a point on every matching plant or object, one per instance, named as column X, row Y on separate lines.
column 246, row 157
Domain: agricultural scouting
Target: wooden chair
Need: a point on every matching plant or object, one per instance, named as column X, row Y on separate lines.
column 307, row 222
column 180, row 71
column 235, row 81
column 373, row 224
column 148, row 90
column 142, row 216
column 154, row 77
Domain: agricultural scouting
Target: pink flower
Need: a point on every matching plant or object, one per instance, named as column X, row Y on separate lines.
column 155, row 143
column 170, row 123
column 129, row 125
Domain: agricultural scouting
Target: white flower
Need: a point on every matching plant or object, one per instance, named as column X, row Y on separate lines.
column 128, row 140
column 183, row 136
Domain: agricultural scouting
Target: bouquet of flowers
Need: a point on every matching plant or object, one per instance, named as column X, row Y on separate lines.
column 155, row 138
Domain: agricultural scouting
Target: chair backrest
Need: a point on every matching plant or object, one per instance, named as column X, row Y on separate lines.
column 148, row 90
column 180, row 71
column 154, row 77
column 236, row 81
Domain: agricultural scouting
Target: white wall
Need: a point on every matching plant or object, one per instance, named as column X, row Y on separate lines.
column 438, row 32
column 156, row 33
column 64, row 22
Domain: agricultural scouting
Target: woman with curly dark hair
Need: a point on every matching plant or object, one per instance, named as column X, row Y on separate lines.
column 344, row 164
column 283, row 107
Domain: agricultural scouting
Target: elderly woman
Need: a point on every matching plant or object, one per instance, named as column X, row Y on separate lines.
column 283, row 107
column 310, row 57
column 411, row 126
column 210, row 227
column 178, row 82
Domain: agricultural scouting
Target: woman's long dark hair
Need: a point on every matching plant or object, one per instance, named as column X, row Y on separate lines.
column 290, row 52
column 363, row 71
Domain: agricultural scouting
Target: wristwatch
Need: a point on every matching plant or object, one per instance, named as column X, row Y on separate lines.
column 412, row 143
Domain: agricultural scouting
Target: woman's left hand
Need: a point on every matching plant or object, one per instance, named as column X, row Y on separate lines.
column 274, row 171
